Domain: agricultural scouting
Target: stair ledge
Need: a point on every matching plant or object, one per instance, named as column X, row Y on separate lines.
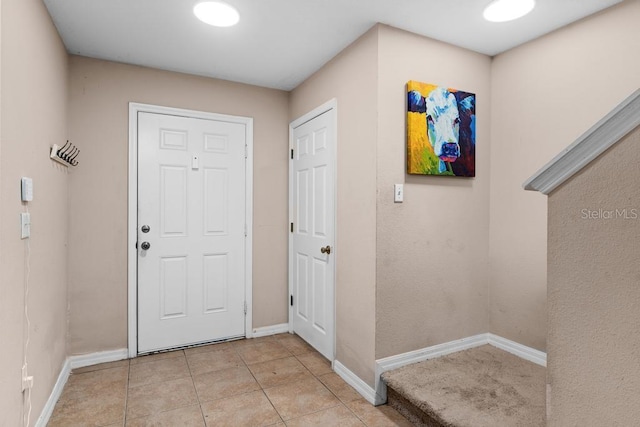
column 608, row 131
column 484, row 386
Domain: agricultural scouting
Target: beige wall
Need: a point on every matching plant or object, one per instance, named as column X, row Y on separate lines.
column 594, row 292
column 351, row 78
column 544, row 95
column 432, row 249
column 33, row 109
column 99, row 96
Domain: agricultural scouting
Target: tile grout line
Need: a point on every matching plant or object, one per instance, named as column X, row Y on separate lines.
column 246, row 366
column 126, row 394
column 319, row 410
column 262, row 388
column 334, row 394
column 340, row 402
column 306, row 368
column 356, row 415
column 193, row 382
column 158, row 382
column 316, row 377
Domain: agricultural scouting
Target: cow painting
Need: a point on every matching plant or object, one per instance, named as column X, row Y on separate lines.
column 440, row 130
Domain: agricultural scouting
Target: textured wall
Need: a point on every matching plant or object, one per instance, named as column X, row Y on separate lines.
column 545, row 94
column 34, row 116
column 99, row 96
column 594, row 292
column 432, row 250
column 351, row 79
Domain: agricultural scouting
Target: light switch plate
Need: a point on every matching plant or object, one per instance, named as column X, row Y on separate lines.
column 398, row 193
column 25, row 225
column 26, row 189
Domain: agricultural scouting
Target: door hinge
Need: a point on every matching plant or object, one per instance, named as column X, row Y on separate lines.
column 246, row 151
column 291, row 228
column 292, row 153
column 245, row 230
column 291, row 300
column 245, row 308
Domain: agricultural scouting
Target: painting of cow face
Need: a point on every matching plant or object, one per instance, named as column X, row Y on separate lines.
column 443, row 124
column 440, row 131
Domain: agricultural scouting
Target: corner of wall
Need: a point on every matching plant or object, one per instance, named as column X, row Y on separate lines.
column 431, row 252
column 343, row 78
column 542, row 99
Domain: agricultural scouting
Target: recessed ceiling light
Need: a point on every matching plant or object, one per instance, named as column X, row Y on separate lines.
column 216, row 13
column 507, row 10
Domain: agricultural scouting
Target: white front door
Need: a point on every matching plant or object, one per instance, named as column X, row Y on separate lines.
column 191, row 231
column 312, row 255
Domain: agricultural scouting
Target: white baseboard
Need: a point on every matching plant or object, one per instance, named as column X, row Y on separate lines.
column 74, row 362
column 375, row 396
column 82, row 360
column 399, row 360
column 531, row 354
column 43, row 420
column 270, row 330
column 354, row 381
column 404, row 359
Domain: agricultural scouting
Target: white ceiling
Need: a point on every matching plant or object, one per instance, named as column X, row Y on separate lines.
column 279, row 43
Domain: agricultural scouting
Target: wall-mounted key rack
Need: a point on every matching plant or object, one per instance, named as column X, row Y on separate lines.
column 66, row 154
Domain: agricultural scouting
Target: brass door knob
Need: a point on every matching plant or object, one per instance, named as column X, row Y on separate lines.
column 326, row 250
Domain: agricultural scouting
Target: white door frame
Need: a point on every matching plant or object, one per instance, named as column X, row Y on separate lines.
column 132, row 232
column 332, row 104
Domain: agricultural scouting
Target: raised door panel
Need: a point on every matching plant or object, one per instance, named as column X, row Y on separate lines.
column 173, row 287
column 216, row 283
column 173, row 201
column 216, row 201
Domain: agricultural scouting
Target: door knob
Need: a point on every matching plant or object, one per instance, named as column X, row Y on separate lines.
column 326, row 250
column 145, row 246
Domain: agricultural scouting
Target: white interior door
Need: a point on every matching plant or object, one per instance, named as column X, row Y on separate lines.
column 312, row 255
column 191, row 231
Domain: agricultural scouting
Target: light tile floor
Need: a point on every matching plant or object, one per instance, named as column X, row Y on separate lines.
column 270, row 381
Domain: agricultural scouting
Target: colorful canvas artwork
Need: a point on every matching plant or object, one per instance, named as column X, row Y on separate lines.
column 441, row 130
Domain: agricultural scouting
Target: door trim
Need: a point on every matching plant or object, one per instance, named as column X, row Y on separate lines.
column 332, row 104
column 132, row 211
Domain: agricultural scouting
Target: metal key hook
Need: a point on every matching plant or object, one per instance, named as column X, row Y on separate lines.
column 69, row 154
column 63, row 148
column 74, row 156
column 66, row 155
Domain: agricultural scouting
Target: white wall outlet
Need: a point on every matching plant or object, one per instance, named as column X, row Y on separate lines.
column 25, row 225
column 398, row 193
